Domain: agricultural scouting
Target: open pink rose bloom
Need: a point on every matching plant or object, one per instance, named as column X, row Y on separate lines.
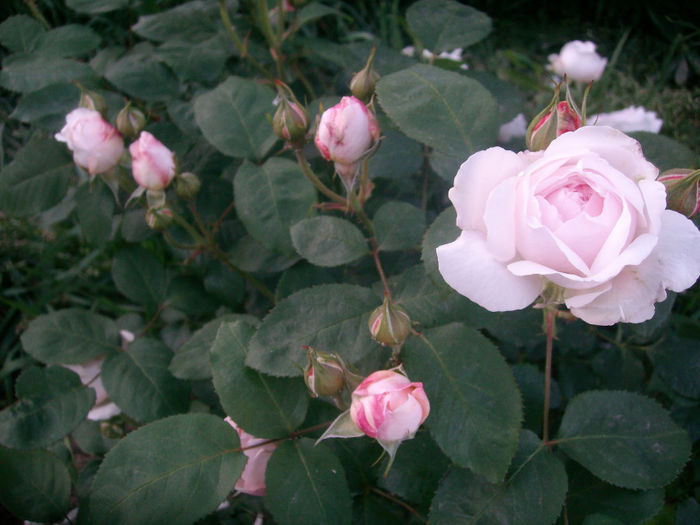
column 587, row 215
column 252, row 480
column 389, row 407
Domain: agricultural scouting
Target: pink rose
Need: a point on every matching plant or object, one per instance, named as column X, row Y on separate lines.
column 387, row 406
column 252, row 481
column 584, row 218
column 345, row 134
column 578, row 61
column 95, row 143
column 152, row 164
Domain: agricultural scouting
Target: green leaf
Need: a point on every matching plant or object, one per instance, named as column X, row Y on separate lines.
column 71, row 40
column 329, row 317
column 270, row 199
column 623, row 438
column 306, row 484
column 35, row 485
column 444, row 110
column 328, row 241
column 266, row 407
column 52, row 402
column 187, row 294
column 233, row 118
column 313, row 11
column 36, row 179
column 532, row 495
column 47, row 106
column 191, row 360
column 664, row 152
column 201, row 62
column 192, row 21
column 304, row 275
column 142, row 75
column 95, row 205
column 678, row 363
column 398, row 226
column 588, row 495
column 96, row 7
column 475, row 412
column 397, row 158
column 139, row 275
column 70, row 336
column 251, row 256
column 443, row 25
column 138, row 381
column 175, row 470
column 19, row 33
column 687, row 512
column 25, row 73
column 443, row 230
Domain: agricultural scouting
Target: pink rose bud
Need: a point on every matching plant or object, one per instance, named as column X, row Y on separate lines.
column 682, row 191
column 387, row 406
column 152, row 164
column 555, row 120
column 95, row 143
column 324, row 373
column 345, row 134
column 363, row 82
column 578, row 61
column 252, row 480
column 92, row 101
column 291, row 120
column 130, row 121
column 389, row 324
column 159, row 218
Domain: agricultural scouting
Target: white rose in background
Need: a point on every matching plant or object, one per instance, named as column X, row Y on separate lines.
column 584, row 218
column 633, row 118
column 578, row 61
column 95, row 143
column 152, row 164
column 89, row 373
column 252, row 480
column 513, row 128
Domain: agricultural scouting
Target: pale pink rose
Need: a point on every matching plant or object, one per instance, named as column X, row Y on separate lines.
column 387, row 406
column 578, row 61
column 152, row 164
column 252, row 480
column 95, row 143
column 345, row 134
column 586, row 215
column 633, row 118
column 89, row 373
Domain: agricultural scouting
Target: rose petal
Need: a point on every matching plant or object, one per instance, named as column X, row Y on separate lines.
column 468, row 267
column 678, row 251
column 403, row 423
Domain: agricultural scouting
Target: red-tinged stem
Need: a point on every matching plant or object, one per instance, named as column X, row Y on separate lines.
column 547, row 376
column 380, row 270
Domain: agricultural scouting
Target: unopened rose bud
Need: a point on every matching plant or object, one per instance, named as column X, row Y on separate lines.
column 96, row 145
column 324, row 373
column 187, row 185
column 291, row 121
column 159, row 218
column 389, row 324
column 555, row 120
column 363, row 82
column 92, row 101
column 152, row 164
column 682, row 190
column 130, row 121
column 346, row 134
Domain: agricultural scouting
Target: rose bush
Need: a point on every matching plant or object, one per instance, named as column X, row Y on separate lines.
column 585, row 215
column 95, row 143
column 152, row 164
column 578, row 61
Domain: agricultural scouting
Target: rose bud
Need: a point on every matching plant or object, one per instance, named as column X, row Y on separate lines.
column 291, row 120
column 95, row 143
column 389, row 407
column 92, row 101
column 152, row 164
column 682, row 191
column 187, row 185
column 252, row 480
column 389, row 324
column 159, row 218
column 578, row 61
column 363, row 82
column 555, row 120
column 346, row 134
column 130, row 121
column 324, row 374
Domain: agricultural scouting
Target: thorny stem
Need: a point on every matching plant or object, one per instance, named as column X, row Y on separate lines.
column 223, row 215
column 547, row 376
column 237, row 41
